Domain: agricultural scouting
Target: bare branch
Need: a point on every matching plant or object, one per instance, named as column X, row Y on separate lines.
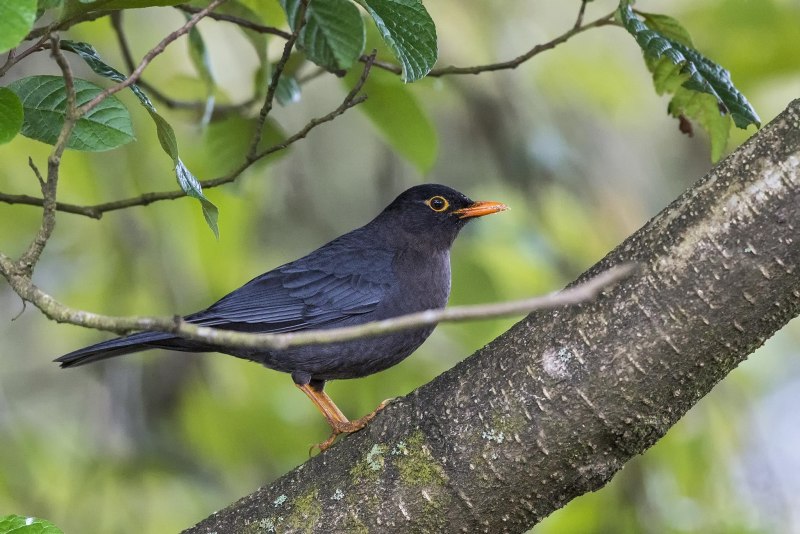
column 606, row 20
column 30, row 257
column 276, row 76
column 581, row 13
column 28, row 200
column 14, row 58
column 58, row 312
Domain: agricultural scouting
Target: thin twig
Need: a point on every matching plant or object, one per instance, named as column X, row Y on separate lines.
column 581, row 13
column 36, row 172
column 227, row 338
column 158, row 49
column 14, row 58
column 276, row 76
column 244, row 23
column 30, row 257
column 28, row 200
column 511, row 63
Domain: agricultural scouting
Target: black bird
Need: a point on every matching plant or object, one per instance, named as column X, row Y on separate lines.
column 396, row 264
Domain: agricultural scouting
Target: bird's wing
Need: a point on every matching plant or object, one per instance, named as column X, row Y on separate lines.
column 328, row 286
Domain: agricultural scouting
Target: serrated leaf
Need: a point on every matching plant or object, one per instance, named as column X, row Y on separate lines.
column 668, row 27
column 393, row 108
column 701, row 74
column 16, row 20
column 44, row 100
column 407, row 28
column 333, row 36
column 166, row 135
column 11, row 115
column 17, row 524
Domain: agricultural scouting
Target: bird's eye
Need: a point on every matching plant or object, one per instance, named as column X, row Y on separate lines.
column 438, row 203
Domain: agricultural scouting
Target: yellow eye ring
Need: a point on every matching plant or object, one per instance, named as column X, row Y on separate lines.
column 437, row 203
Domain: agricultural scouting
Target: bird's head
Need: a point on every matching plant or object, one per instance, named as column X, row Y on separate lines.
column 433, row 212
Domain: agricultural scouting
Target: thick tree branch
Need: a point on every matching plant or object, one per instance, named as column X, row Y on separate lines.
column 554, row 407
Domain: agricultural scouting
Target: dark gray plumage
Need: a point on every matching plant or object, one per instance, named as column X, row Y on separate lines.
column 396, row 264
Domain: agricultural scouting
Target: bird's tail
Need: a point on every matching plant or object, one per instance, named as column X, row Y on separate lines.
column 121, row 346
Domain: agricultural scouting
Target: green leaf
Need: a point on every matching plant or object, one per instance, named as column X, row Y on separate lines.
column 16, row 20
column 407, row 28
column 166, row 135
column 392, row 107
column 44, row 100
column 701, row 74
column 333, row 36
column 11, row 115
column 192, row 187
column 17, row 524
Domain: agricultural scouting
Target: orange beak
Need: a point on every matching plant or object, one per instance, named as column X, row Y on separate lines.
column 480, row 208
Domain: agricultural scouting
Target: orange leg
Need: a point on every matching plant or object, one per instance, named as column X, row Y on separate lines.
column 339, row 423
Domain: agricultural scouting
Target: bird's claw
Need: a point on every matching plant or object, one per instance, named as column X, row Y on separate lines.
column 348, row 427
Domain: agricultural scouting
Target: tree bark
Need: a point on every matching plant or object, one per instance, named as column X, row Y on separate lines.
column 554, row 407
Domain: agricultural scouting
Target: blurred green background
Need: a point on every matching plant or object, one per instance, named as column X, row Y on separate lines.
column 575, row 141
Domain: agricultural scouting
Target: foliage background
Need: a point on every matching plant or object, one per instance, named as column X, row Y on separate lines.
column 575, row 141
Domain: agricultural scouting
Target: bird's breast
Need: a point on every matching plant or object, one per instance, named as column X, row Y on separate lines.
column 422, row 282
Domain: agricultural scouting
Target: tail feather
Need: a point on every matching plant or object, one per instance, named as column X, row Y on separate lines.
column 121, row 346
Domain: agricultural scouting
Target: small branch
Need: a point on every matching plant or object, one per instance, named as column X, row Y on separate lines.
column 28, row 200
column 58, row 312
column 352, row 99
column 157, row 50
column 244, row 23
column 581, row 13
column 276, row 76
column 606, row 20
column 30, row 257
column 14, row 58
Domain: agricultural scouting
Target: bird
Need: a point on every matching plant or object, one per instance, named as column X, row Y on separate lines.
column 396, row 264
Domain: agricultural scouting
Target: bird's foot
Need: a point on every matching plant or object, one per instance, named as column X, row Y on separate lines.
column 348, row 427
